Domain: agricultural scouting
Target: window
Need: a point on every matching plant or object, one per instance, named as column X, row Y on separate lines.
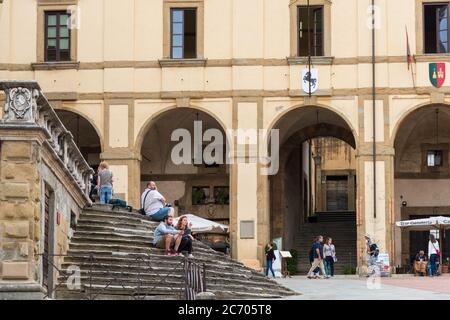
column 183, row 33
column 222, row 195
column 57, row 36
column 200, row 195
column 436, row 28
column 434, row 158
column 337, row 193
column 310, row 31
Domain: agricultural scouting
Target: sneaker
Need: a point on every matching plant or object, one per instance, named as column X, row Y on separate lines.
column 168, row 253
column 191, row 256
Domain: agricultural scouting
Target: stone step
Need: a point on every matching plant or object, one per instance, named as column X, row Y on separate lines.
column 174, row 281
column 155, row 267
column 134, row 290
column 78, row 256
column 131, row 247
column 105, row 228
column 113, row 224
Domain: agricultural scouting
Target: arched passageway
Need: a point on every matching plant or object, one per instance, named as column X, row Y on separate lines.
column 198, row 187
column 314, row 192
column 422, row 175
column 84, row 135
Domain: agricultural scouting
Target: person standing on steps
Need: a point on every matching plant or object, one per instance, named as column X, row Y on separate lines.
column 104, row 182
column 329, row 252
column 154, row 204
column 317, row 250
column 166, row 236
column 270, row 258
column 186, row 239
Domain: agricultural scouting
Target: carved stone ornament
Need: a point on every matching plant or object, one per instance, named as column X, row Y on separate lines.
column 21, row 104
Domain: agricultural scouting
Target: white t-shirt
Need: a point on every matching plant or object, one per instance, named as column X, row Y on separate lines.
column 152, row 202
column 432, row 247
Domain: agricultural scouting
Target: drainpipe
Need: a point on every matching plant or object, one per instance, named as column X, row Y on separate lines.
column 374, row 145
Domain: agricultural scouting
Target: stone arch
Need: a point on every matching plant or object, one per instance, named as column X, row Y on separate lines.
column 154, row 117
column 410, row 112
column 276, row 120
column 84, row 132
column 88, row 119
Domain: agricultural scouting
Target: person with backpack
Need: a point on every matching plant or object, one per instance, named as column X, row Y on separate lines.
column 372, row 255
column 433, row 254
column 270, row 258
column 317, row 251
column 154, row 204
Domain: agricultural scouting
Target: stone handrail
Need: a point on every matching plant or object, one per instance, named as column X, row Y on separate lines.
column 26, row 106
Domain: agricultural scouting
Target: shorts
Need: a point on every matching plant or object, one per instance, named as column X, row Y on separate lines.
column 161, row 244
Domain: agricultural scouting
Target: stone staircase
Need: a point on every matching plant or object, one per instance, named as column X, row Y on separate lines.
column 343, row 232
column 126, row 266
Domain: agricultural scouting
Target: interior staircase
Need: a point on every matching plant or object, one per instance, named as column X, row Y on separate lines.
column 126, row 266
column 341, row 227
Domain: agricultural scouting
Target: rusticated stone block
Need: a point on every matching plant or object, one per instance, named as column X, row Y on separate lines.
column 19, row 229
column 13, row 210
column 15, row 270
column 37, row 232
column 19, row 172
column 13, row 190
column 16, row 150
column 24, row 249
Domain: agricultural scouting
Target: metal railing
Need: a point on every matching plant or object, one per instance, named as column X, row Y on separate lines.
column 90, row 278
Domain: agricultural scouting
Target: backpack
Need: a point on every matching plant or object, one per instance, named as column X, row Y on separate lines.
column 374, row 248
column 119, row 203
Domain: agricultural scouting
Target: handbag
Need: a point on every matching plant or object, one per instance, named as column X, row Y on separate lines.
column 438, row 252
column 335, row 259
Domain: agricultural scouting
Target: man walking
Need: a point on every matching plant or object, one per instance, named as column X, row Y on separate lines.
column 318, row 258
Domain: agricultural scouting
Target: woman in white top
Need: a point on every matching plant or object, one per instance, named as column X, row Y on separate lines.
column 329, row 251
column 433, row 254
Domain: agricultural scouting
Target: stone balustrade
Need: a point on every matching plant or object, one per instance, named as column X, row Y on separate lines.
column 44, row 185
column 26, row 106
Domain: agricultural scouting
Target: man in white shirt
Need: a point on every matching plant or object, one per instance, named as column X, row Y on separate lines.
column 154, row 203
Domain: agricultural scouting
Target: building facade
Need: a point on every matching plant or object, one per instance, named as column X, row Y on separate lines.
column 124, row 74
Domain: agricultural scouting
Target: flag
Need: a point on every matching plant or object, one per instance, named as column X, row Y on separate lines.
column 408, row 50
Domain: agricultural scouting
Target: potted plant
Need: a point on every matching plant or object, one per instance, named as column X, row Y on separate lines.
column 445, row 267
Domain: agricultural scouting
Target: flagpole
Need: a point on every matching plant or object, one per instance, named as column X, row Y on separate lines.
column 309, row 50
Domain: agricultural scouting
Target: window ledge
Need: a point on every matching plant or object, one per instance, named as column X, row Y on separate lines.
column 432, row 57
column 55, row 65
column 314, row 60
column 172, row 63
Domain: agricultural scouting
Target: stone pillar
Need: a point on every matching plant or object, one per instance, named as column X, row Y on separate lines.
column 20, row 212
column 381, row 226
column 126, row 168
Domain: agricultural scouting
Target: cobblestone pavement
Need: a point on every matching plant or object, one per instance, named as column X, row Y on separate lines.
column 354, row 288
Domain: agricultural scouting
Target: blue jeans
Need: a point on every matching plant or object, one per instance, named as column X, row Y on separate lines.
column 433, row 260
column 269, row 264
column 105, row 194
column 160, row 214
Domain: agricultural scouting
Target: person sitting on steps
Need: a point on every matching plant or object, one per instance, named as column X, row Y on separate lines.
column 166, row 236
column 154, row 203
column 420, row 263
column 186, row 239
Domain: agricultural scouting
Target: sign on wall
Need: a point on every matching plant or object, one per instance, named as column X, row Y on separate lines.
column 310, row 81
column 437, row 74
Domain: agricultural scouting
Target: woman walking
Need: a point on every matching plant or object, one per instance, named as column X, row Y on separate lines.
column 270, row 258
column 104, row 182
column 433, row 254
column 329, row 252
